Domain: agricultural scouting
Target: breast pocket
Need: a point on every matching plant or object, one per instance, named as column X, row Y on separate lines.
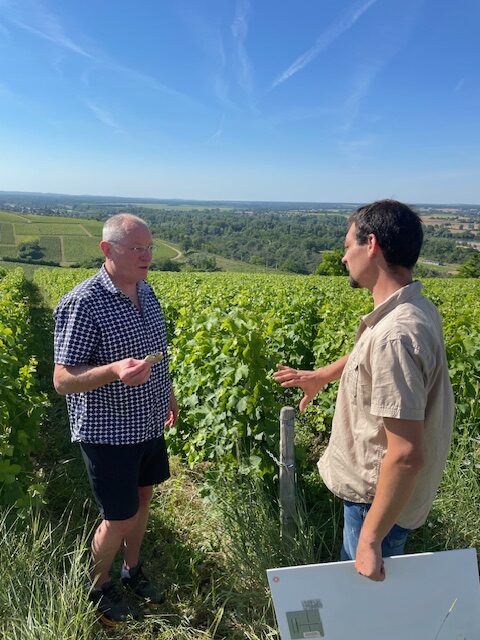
column 351, row 377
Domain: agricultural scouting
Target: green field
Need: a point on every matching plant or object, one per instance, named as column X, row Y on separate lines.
column 76, row 251
column 93, row 226
column 8, row 216
column 35, row 217
column 446, row 269
column 180, row 207
column 8, row 251
column 224, row 264
column 79, row 237
column 7, row 235
column 52, row 248
column 48, row 229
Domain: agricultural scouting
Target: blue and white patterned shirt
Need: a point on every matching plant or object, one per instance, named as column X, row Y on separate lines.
column 96, row 324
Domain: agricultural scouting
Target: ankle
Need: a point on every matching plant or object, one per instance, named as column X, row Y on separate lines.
column 128, row 570
column 100, row 586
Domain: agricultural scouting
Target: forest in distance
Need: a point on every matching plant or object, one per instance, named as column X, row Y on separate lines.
column 288, row 237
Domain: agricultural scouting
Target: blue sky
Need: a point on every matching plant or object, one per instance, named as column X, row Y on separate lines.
column 305, row 100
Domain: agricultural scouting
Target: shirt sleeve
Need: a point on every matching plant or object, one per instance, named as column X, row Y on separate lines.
column 76, row 333
column 398, row 387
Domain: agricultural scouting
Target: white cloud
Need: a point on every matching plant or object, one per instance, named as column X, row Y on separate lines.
column 239, row 33
column 327, row 38
column 362, row 84
column 34, row 18
column 103, row 116
column 219, row 132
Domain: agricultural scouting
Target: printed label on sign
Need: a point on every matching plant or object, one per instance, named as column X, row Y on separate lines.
column 305, row 624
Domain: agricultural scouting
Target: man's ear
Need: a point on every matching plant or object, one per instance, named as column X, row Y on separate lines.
column 105, row 248
column 373, row 245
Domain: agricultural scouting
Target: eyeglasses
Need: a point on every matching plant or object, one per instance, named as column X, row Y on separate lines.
column 137, row 250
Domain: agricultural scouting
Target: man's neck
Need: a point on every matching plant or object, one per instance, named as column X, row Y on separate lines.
column 129, row 288
column 388, row 283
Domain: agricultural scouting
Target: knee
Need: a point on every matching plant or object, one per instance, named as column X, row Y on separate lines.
column 120, row 527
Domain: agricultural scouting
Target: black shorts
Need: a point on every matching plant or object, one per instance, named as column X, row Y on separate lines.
column 116, row 471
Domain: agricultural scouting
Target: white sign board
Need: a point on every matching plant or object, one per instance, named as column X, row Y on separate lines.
column 426, row 596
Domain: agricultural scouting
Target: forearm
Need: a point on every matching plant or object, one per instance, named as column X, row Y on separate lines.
column 81, row 378
column 396, row 482
column 333, row 371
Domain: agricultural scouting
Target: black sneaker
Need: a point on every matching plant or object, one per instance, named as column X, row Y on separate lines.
column 111, row 607
column 141, row 586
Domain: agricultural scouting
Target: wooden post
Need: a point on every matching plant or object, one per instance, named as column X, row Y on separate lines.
column 287, row 472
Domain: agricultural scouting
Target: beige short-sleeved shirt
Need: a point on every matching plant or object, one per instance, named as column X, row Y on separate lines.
column 397, row 369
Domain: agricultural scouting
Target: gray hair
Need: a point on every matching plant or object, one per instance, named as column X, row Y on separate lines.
column 117, row 227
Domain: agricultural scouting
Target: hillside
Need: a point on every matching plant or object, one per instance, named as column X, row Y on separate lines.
column 225, row 236
column 64, row 240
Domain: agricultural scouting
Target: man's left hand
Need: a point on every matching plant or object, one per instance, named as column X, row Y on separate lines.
column 369, row 561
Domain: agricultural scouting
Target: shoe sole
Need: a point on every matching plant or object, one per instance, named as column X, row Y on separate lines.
column 152, row 605
column 108, row 622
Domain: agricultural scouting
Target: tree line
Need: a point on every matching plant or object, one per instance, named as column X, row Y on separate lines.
column 290, row 240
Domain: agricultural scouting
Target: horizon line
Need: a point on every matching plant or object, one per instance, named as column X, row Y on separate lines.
column 155, row 199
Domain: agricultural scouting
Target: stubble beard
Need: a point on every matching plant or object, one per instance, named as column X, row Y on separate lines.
column 354, row 283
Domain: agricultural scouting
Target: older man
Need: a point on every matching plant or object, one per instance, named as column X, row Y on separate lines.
column 111, row 363
column 394, row 412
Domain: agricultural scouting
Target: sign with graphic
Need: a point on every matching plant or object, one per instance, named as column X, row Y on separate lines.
column 425, row 596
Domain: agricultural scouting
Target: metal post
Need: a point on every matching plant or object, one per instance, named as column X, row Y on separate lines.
column 287, row 472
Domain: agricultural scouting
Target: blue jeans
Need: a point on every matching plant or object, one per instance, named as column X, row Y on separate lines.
column 354, row 515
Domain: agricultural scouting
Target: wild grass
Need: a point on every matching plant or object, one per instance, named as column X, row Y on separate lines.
column 209, row 551
column 43, row 580
column 453, row 522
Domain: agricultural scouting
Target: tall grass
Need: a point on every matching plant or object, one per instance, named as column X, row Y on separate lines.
column 454, row 520
column 251, row 535
column 43, row 580
column 212, row 556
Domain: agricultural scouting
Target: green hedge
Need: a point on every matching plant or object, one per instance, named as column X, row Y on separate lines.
column 22, row 406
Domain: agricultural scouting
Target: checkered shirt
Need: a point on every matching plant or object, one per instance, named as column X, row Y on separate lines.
column 96, row 324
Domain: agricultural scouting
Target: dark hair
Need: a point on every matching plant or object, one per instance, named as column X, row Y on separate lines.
column 397, row 228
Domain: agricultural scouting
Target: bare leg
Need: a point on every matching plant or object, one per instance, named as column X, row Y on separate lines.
column 106, row 542
column 134, row 538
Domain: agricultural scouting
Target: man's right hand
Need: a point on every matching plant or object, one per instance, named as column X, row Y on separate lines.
column 132, row 372
column 311, row 382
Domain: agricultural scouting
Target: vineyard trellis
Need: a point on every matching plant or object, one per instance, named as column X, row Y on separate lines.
column 228, row 331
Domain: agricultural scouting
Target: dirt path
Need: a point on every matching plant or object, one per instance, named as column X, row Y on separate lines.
column 179, row 253
column 86, row 230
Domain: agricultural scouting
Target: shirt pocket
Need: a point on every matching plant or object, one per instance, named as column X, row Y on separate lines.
column 351, row 377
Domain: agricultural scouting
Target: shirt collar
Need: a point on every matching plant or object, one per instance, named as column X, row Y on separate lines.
column 405, row 294
column 108, row 284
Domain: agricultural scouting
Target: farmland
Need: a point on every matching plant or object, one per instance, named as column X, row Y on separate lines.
column 63, row 240
column 270, row 236
column 228, row 331
column 214, row 525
